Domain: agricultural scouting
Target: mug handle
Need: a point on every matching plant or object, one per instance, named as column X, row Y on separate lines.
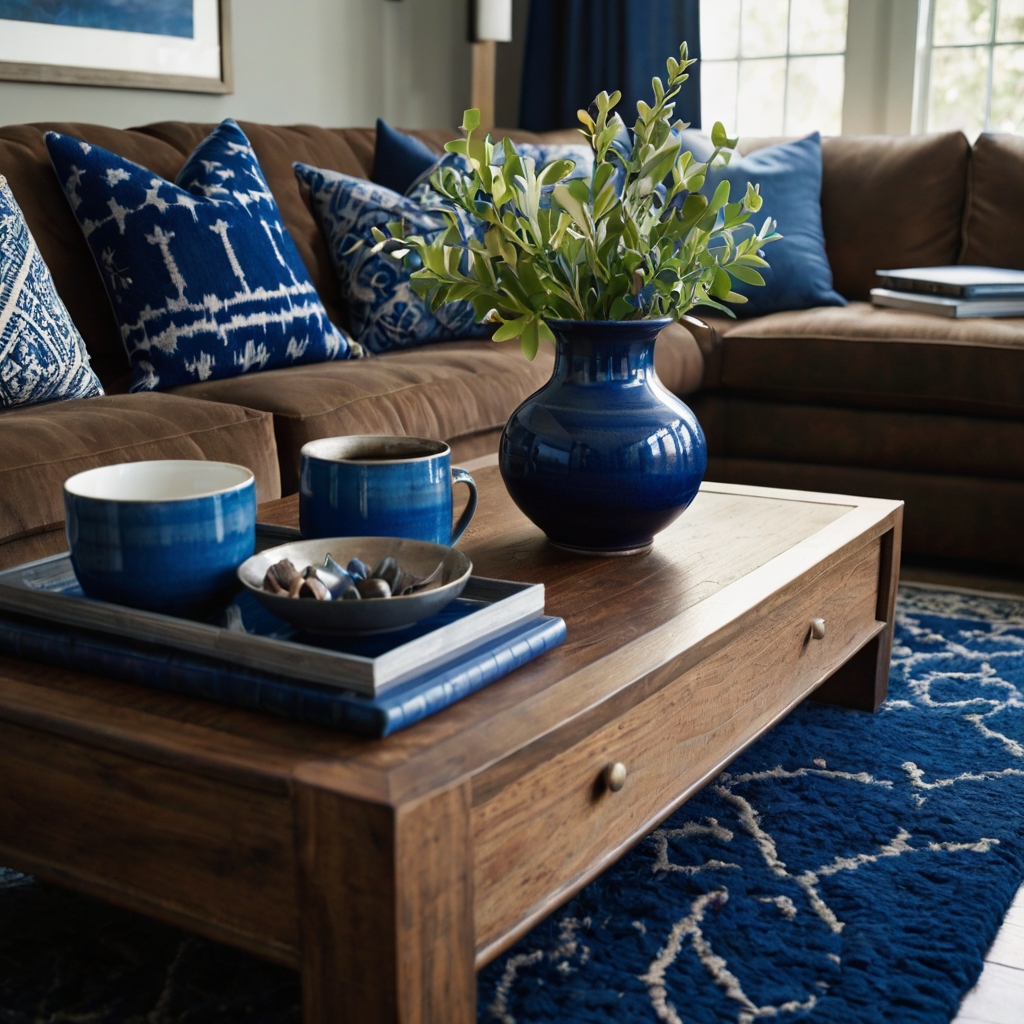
column 460, row 476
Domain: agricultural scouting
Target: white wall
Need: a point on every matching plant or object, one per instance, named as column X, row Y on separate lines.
column 328, row 62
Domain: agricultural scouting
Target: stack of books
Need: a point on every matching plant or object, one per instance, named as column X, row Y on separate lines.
column 958, row 292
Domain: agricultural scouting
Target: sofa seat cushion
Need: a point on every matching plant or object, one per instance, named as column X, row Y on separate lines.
column 875, row 358
column 45, row 444
column 891, row 439
column 447, row 390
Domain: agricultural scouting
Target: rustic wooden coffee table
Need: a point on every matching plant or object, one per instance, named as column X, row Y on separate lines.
column 386, row 871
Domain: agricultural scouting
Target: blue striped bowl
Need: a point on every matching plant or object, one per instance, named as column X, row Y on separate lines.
column 165, row 536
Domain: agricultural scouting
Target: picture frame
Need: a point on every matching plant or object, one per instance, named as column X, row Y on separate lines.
column 102, row 48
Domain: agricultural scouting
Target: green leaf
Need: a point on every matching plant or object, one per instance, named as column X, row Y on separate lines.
column 568, row 202
column 721, row 286
column 529, row 340
column 471, row 120
column 511, row 329
column 719, row 139
column 746, row 275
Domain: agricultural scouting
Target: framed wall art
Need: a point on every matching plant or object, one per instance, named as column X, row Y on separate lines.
column 182, row 45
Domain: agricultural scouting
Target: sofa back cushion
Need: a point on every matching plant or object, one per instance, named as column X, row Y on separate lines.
column 888, row 202
column 994, row 223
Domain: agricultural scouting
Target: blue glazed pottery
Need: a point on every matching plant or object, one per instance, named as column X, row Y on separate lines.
column 603, row 456
column 165, row 536
column 369, row 485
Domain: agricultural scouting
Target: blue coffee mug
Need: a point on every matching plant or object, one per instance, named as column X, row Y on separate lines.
column 367, row 485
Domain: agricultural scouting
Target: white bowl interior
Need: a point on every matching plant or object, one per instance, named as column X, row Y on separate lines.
column 163, row 480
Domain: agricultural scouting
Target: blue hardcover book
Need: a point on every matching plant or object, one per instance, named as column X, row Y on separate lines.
column 192, row 674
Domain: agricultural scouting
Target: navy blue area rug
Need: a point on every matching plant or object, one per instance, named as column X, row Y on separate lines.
column 847, row 868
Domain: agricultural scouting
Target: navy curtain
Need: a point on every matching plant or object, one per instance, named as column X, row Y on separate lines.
column 576, row 48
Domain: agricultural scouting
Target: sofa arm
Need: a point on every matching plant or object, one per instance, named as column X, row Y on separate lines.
column 710, row 343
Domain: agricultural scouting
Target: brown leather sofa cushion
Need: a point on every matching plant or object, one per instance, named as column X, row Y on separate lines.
column 874, row 358
column 45, row 444
column 887, row 202
column 449, row 391
column 919, row 442
column 994, row 223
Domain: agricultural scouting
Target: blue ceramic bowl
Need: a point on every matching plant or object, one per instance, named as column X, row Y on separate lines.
column 164, row 536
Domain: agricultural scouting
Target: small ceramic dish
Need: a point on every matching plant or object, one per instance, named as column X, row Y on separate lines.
column 371, row 615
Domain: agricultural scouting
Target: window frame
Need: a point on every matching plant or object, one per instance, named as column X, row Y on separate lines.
column 923, row 63
column 788, row 56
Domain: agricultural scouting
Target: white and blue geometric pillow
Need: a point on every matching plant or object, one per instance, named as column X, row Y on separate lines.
column 384, row 312
column 204, row 279
column 42, row 355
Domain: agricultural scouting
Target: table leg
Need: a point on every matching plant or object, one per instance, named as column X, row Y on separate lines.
column 863, row 681
column 386, row 906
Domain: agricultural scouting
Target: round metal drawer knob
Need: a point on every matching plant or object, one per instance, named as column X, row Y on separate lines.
column 817, row 629
column 615, row 776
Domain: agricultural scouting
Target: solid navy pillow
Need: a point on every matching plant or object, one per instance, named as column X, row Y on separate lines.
column 398, row 159
column 202, row 275
column 799, row 275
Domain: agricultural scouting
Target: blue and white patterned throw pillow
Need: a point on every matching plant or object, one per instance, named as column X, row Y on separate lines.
column 42, row 355
column 384, row 311
column 203, row 276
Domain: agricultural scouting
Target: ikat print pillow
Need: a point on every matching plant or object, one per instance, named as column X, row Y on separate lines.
column 203, row 276
column 42, row 355
column 384, row 312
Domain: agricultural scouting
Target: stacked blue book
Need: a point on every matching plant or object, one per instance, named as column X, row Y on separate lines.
column 959, row 292
column 244, row 656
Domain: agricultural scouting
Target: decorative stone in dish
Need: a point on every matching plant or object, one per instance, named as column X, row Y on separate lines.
column 420, row 578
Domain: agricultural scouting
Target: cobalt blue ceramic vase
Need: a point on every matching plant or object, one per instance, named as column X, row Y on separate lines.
column 603, row 457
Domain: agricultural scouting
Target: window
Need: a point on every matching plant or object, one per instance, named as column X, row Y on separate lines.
column 970, row 66
column 773, row 67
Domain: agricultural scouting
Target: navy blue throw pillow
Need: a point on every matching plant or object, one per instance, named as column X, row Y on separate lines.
column 399, row 159
column 799, row 275
column 204, row 279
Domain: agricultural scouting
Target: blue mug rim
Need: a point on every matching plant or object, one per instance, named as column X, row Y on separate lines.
column 248, row 481
column 309, row 449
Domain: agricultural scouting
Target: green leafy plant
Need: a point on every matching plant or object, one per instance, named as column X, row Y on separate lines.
column 635, row 240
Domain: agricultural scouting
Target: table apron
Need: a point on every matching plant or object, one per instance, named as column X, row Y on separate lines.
column 211, row 857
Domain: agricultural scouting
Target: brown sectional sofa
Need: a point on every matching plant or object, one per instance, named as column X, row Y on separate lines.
column 460, row 391
column 861, row 400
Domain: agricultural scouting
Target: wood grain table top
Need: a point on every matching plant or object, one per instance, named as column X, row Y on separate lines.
column 633, row 622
